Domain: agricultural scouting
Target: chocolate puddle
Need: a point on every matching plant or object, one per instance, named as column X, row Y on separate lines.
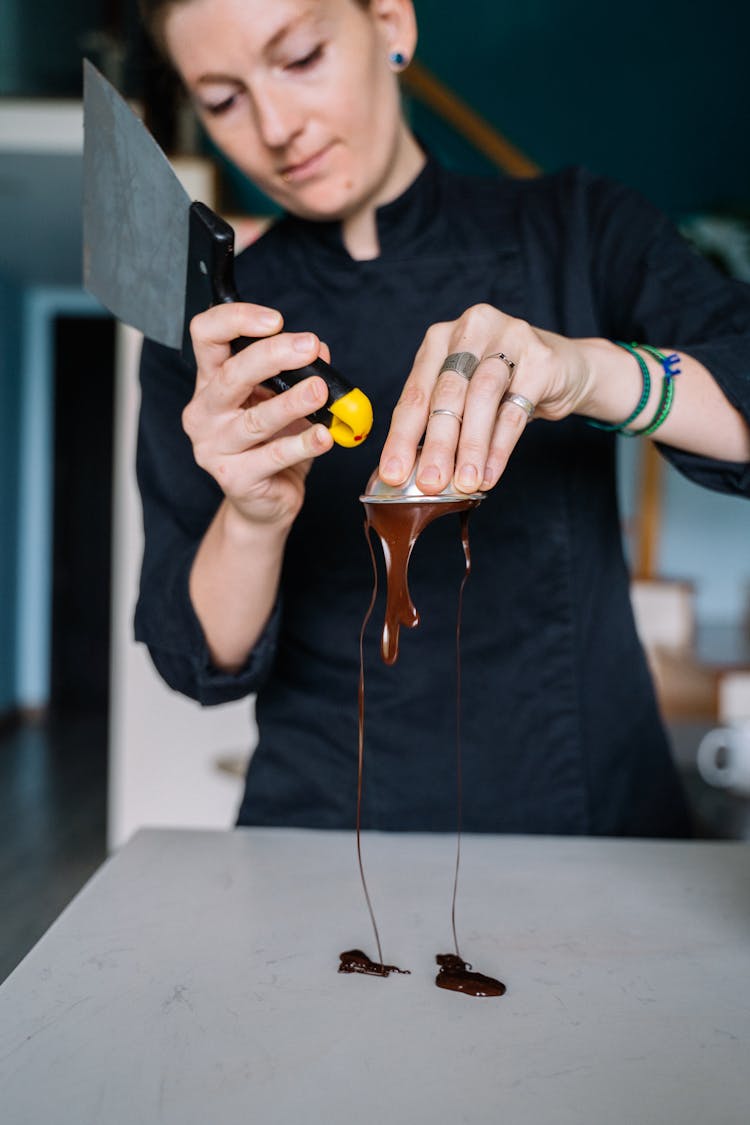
column 457, row 975
column 355, row 961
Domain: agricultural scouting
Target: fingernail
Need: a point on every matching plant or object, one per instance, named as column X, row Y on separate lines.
column 302, row 343
column 487, row 479
column 313, row 391
column 270, row 319
column 467, row 477
column 430, row 475
column 321, row 437
column 393, row 468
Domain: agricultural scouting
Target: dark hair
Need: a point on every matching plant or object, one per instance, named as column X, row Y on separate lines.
column 154, row 12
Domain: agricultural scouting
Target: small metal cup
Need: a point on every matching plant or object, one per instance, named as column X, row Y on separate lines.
column 378, row 492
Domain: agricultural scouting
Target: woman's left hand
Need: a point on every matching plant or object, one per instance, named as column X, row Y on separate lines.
column 470, row 425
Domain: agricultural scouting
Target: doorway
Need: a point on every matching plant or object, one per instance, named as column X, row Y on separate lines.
column 82, row 507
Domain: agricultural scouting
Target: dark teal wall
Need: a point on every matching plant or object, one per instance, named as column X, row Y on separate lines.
column 652, row 93
column 41, row 44
column 655, row 94
column 10, row 316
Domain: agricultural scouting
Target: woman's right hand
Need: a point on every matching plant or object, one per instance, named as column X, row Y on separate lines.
column 257, row 446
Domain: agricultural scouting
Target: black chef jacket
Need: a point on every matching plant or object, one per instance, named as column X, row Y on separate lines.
column 560, row 727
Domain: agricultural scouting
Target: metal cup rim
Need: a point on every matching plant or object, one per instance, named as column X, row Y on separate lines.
column 453, row 498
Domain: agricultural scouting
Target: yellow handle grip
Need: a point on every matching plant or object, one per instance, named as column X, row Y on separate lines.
column 352, row 418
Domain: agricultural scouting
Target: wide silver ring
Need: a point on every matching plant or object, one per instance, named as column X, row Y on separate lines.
column 506, row 360
column 452, row 413
column 520, row 400
column 463, row 363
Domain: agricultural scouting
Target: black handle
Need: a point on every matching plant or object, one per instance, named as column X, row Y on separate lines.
column 210, row 281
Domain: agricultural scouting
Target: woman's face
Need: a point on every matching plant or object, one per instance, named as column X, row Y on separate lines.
column 300, row 94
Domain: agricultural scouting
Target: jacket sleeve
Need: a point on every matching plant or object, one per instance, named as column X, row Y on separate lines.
column 654, row 287
column 179, row 501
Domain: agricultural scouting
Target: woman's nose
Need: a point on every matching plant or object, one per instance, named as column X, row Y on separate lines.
column 277, row 118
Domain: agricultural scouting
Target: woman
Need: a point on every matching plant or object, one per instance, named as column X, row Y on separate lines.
column 256, row 574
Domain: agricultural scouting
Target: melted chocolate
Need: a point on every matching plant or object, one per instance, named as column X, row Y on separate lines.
column 459, row 770
column 398, row 527
column 458, row 976
column 355, row 961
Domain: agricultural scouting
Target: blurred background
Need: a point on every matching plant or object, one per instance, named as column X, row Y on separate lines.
column 91, row 745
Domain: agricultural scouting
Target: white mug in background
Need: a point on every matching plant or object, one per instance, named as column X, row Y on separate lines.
column 724, row 758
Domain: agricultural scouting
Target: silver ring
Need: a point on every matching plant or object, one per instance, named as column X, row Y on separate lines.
column 501, row 355
column 520, row 400
column 463, row 363
column 452, row 413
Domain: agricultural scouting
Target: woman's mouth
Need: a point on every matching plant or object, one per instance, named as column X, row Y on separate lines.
column 307, row 168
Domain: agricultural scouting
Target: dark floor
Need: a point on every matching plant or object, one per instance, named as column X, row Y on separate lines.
column 53, row 783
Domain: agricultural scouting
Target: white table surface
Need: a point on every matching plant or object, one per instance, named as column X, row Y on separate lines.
column 194, row 980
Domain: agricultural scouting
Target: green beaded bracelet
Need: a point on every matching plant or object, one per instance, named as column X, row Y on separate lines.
column 619, row 427
column 670, row 363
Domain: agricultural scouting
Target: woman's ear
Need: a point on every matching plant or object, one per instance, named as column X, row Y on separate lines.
column 397, row 22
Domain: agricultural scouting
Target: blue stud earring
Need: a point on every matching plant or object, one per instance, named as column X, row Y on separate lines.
column 397, row 59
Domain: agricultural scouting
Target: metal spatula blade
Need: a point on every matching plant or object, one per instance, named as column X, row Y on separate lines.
column 155, row 259
column 135, row 217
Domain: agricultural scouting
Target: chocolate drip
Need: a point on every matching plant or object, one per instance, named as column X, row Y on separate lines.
column 459, row 754
column 398, row 526
column 355, row 961
column 457, row 976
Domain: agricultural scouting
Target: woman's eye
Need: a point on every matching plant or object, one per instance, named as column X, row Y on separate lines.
column 220, row 107
column 308, row 60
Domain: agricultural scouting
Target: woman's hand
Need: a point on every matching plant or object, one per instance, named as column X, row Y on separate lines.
column 258, row 446
column 470, row 428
